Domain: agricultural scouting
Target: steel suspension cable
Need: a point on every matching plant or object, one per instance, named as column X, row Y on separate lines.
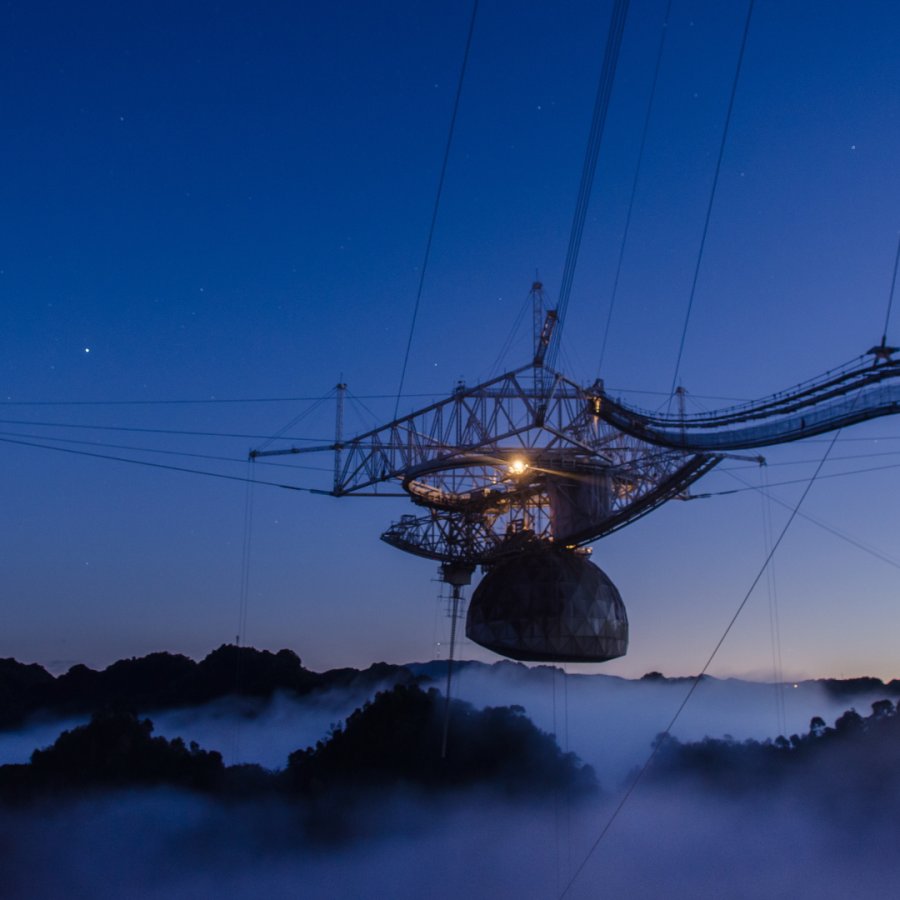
column 296, row 420
column 158, row 450
column 774, row 617
column 243, row 593
column 601, row 106
column 244, row 589
column 634, row 184
column 712, row 197
column 437, row 203
column 866, row 548
column 178, row 431
column 887, row 316
column 699, row 677
column 208, row 400
column 510, row 338
column 750, row 487
column 153, row 465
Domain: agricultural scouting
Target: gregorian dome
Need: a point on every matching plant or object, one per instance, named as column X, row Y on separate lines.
column 546, row 604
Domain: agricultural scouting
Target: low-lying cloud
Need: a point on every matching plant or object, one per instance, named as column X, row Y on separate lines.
column 820, row 835
column 609, row 722
column 674, row 843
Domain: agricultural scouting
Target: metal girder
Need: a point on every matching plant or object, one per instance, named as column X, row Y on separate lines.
column 517, row 459
column 497, row 415
column 500, row 417
column 531, row 456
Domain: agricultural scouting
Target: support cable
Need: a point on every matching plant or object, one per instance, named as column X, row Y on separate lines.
column 712, row 197
column 154, row 465
column 215, row 434
column 774, row 618
column 634, row 184
column 601, row 106
column 358, row 405
column 806, row 462
column 749, row 487
column 887, row 316
column 208, row 400
column 699, row 677
column 245, row 557
column 243, row 593
column 510, row 338
column 133, row 449
column 296, row 420
column 835, row 532
column 454, row 614
column 437, row 203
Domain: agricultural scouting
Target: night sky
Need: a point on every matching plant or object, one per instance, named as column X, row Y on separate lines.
column 214, row 203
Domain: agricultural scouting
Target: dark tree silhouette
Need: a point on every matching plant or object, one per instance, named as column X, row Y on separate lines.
column 20, row 685
column 117, row 749
column 857, row 762
column 166, row 680
column 396, row 738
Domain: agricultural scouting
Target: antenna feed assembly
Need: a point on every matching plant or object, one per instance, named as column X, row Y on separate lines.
column 518, row 474
column 540, row 599
column 501, row 487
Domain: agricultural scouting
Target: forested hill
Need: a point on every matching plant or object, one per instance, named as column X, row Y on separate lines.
column 855, row 761
column 164, row 680
column 170, row 680
column 395, row 740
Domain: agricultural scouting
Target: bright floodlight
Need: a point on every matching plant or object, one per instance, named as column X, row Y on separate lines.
column 517, row 466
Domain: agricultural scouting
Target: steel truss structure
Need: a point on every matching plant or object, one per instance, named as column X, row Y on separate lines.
column 519, row 459
column 532, row 458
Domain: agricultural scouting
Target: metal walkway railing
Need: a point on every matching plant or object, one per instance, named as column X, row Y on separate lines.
column 853, row 393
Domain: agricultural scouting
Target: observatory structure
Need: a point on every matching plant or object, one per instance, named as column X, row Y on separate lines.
column 519, row 474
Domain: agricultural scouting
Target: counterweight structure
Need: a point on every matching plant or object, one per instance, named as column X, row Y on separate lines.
column 518, row 474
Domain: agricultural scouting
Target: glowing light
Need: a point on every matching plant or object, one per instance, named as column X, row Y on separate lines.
column 518, row 466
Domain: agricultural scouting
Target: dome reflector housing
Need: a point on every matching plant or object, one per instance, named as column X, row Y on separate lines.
column 548, row 605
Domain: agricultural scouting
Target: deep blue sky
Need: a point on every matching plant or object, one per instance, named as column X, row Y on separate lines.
column 225, row 202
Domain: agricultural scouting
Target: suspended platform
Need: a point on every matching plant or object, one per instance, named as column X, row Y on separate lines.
column 520, row 473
